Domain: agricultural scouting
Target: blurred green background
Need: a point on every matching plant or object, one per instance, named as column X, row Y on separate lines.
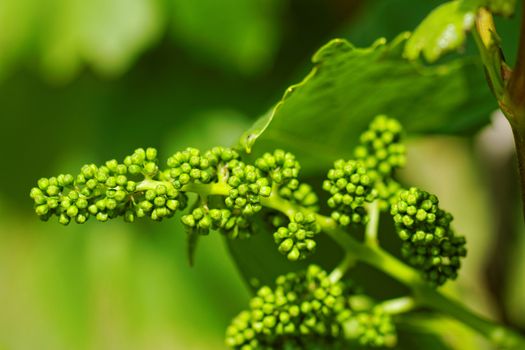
column 85, row 81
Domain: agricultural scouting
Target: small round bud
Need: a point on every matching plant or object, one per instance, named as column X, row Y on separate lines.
column 151, row 154
column 43, row 183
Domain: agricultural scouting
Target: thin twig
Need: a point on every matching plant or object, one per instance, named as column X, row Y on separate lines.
column 516, row 85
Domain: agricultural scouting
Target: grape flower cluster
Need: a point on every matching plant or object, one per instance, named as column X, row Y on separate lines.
column 296, row 240
column 372, row 327
column 380, row 147
column 295, row 236
column 229, row 192
column 283, row 169
column 309, row 309
column 369, row 176
column 245, row 187
column 108, row 191
column 304, row 310
column 382, row 152
column 350, row 187
column 429, row 243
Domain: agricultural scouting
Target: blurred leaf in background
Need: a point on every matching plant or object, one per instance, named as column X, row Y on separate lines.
column 240, row 35
column 61, row 36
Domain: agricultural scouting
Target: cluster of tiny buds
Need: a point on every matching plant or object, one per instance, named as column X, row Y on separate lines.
column 350, row 187
column 387, row 192
column 114, row 189
column 280, row 166
column 247, row 185
column 137, row 187
column 296, row 241
column 189, row 166
column 380, row 148
column 301, row 194
column 303, row 305
column 201, row 220
column 372, row 328
column 294, row 236
column 429, row 242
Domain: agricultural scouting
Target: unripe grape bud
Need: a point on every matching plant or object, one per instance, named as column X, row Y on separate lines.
column 151, row 154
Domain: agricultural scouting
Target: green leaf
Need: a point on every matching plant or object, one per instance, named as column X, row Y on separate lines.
column 63, row 36
column 321, row 118
column 17, row 25
column 107, row 35
column 249, row 137
column 443, row 30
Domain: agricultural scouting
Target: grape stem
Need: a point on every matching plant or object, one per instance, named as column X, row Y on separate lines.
column 423, row 293
column 373, row 224
column 339, row 271
column 394, row 306
column 507, row 85
column 398, row 305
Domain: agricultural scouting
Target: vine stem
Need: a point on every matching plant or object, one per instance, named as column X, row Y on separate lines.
column 508, row 86
column 398, row 305
column 516, row 88
column 373, row 224
column 394, row 306
column 348, row 261
column 423, row 293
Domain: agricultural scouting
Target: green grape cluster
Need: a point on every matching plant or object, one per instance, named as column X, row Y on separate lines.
column 429, row 243
column 304, row 307
column 283, row 170
column 108, row 191
column 301, row 194
column 280, row 167
column 382, row 152
column 201, row 220
column 189, row 166
column 380, row 148
column 296, row 240
column 350, row 187
column 294, row 236
column 248, row 185
column 160, row 203
column 387, row 191
column 372, row 328
column 307, row 309
column 137, row 188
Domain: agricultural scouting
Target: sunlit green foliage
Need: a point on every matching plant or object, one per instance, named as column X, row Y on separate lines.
column 63, row 36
